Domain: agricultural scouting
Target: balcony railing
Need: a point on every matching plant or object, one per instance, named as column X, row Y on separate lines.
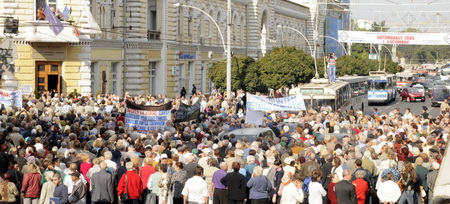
column 153, row 35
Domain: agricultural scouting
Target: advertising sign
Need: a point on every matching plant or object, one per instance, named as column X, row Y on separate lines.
column 394, row 38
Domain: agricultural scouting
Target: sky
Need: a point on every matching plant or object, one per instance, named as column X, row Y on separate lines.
column 425, row 15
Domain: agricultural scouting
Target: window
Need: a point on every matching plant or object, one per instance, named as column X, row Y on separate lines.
column 112, row 15
column 152, row 66
column 115, row 78
column 40, row 4
column 95, row 73
column 180, row 20
column 190, row 22
column 151, row 15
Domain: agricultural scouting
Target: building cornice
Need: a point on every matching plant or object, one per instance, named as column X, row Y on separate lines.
column 280, row 9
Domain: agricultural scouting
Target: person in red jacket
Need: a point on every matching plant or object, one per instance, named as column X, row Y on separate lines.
column 145, row 172
column 361, row 187
column 130, row 183
column 31, row 185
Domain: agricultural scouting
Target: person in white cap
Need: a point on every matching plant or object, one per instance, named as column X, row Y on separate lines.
column 203, row 161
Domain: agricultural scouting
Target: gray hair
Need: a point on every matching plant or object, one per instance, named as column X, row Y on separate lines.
column 392, row 164
column 257, row 171
column 360, row 174
column 222, row 165
column 107, row 155
column 251, row 159
column 49, row 175
column 129, row 166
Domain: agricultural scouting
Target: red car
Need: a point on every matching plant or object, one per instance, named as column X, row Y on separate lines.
column 412, row 94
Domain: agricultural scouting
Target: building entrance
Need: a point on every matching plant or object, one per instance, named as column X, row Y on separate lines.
column 48, row 76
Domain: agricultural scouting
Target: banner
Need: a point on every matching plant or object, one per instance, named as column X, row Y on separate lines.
column 165, row 106
column 187, row 113
column 254, row 117
column 146, row 120
column 11, row 98
column 394, row 38
column 260, row 103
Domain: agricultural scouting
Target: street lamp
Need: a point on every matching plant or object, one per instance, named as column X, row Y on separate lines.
column 226, row 47
column 329, row 37
column 309, row 45
column 392, row 56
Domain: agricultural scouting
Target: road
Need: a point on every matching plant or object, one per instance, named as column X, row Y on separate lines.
column 416, row 107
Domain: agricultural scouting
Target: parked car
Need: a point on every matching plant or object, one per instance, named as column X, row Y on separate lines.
column 439, row 94
column 252, row 133
column 412, row 94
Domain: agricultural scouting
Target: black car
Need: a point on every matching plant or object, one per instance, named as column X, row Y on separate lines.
column 439, row 94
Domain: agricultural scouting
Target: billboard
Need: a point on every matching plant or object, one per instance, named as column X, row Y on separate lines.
column 394, row 38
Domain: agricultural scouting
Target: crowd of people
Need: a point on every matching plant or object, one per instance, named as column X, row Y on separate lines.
column 75, row 149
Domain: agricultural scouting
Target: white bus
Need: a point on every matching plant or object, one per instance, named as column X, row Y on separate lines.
column 358, row 90
column 382, row 87
column 337, row 95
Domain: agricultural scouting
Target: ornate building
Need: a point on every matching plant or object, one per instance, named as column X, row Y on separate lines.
column 164, row 49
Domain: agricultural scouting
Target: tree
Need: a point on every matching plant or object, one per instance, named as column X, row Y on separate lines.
column 379, row 27
column 239, row 66
column 285, row 66
column 361, row 66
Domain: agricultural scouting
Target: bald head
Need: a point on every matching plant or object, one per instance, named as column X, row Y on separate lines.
column 103, row 165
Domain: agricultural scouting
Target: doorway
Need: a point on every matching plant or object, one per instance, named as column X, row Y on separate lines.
column 53, row 82
column 48, row 76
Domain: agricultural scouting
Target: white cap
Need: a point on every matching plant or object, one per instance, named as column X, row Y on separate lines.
column 164, row 156
column 206, row 150
column 239, row 152
column 215, row 146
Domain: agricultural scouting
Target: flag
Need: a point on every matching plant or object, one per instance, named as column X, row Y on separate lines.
column 90, row 20
column 187, row 113
column 76, row 31
column 66, row 13
column 55, row 24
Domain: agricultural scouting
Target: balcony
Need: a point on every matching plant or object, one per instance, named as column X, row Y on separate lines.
column 39, row 31
column 153, row 35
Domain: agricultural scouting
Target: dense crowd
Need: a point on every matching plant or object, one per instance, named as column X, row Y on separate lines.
column 61, row 149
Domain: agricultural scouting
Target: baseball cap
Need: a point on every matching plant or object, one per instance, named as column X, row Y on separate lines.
column 163, row 156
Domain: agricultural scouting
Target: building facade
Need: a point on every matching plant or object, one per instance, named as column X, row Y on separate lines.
column 139, row 46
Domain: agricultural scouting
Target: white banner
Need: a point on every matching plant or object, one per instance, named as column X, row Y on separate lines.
column 11, row 98
column 145, row 120
column 254, row 117
column 26, row 89
column 394, row 38
column 260, row 103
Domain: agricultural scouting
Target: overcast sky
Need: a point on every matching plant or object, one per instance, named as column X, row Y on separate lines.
column 426, row 15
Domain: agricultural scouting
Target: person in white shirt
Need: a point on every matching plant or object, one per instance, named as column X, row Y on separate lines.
column 293, row 193
column 316, row 191
column 196, row 189
column 112, row 165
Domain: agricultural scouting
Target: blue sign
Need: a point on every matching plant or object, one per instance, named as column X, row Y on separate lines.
column 185, row 56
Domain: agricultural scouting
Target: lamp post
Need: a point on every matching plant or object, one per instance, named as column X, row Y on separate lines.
column 392, row 56
column 226, row 47
column 309, row 46
column 329, row 37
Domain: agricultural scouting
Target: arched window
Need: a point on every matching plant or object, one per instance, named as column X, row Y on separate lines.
column 243, row 31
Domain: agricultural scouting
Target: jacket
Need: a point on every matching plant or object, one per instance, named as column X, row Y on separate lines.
column 134, row 185
column 236, row 185
column 345, row 192
column 61, row 193
column 102, row 187
column 8, row 192
column 46, row 192
column 31, row 185
column 78, row 192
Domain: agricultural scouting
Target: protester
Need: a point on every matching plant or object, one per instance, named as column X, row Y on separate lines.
column 8, row 190
column 130, row 185
column 66, row 134
column 345, row 190
column 292, row 193
column 259, row 187
column 196, row 189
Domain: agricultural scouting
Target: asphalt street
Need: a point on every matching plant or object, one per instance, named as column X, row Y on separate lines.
column 416, row 107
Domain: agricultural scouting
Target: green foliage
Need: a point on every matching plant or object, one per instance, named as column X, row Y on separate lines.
column 411, row 30
column 379, row 27
column 285, row 66
column 420, row 54
column 75, row 92
column 239, row 66
column 356, row 65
